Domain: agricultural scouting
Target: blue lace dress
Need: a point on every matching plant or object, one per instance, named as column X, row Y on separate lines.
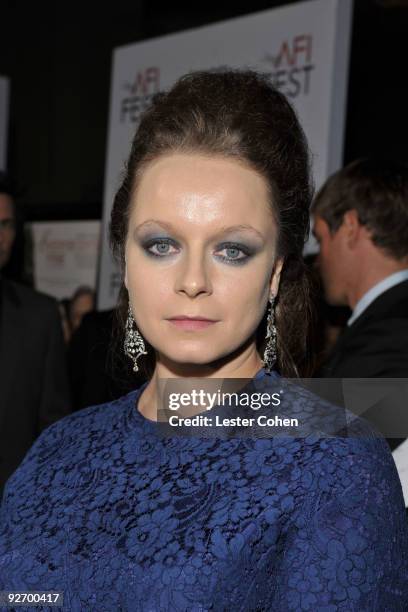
column 119, row 518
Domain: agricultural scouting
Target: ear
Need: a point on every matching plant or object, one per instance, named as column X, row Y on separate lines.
column 275, row 278
column 351, row 227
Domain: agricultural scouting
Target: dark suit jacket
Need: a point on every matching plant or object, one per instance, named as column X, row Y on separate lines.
column 34, row 388
column 376, row 344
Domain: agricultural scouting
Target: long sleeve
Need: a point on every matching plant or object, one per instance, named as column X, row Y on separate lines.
column 349, row 555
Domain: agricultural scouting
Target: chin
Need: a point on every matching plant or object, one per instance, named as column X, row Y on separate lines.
column 185, row 357
column 194, row 353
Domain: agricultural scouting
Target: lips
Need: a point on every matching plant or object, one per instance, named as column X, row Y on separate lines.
column 186, row 318
column 191, row 323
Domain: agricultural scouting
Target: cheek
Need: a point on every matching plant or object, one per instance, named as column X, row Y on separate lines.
column 148, row 286
column 325, row 258
column 243, row 297
column 323, row 263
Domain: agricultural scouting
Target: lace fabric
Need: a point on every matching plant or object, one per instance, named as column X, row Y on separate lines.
column 118, row 518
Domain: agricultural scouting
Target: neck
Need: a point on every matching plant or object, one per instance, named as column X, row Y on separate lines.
column 244, row 365
column 372, row 274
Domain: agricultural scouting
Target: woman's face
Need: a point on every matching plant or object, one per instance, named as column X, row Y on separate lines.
column 201, row 243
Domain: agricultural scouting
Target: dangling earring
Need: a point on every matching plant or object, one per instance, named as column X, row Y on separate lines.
column 270, row 348
column 134, row 345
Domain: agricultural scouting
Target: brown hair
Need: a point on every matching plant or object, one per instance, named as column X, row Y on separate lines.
column 235, row 114
column 378, row 191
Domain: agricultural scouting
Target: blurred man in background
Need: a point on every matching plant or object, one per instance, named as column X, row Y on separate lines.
column 34, row 388
column 361, row 224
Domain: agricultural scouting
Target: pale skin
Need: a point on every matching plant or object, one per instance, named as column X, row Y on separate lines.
column 349, row 262
column 190, row 202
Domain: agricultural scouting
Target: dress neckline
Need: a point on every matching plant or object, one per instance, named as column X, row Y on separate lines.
column 259, row 375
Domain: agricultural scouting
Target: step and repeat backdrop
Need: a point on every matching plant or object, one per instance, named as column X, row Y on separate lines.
column 65, row 256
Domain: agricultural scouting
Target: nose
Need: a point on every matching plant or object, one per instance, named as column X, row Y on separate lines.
column 193, row 276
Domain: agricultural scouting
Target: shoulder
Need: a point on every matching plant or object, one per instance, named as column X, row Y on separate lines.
column 374, row 347
column 387, row 312
column 331, row 447
column 93, row 419
column 391, row 303
column 373, row 327
column 26, row 296
column 377, row 349
column 72, row 439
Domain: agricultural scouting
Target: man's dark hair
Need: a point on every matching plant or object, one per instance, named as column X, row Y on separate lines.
column 378, row 191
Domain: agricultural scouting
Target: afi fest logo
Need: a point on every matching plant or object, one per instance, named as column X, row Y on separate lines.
column 292, row 66
column 140, row 92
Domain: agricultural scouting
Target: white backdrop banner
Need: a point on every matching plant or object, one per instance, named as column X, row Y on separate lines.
column 65, row 256
column 303, row 47
column 4, row 109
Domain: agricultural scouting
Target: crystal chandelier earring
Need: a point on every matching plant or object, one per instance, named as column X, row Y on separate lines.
column 134, row 345
column 269, row 358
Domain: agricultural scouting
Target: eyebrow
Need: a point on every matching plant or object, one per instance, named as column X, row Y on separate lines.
column 224, row 229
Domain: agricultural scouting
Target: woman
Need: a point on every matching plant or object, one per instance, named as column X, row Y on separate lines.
column 209, row 223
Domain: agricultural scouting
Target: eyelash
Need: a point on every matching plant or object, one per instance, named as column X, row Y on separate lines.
column 225, row 245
